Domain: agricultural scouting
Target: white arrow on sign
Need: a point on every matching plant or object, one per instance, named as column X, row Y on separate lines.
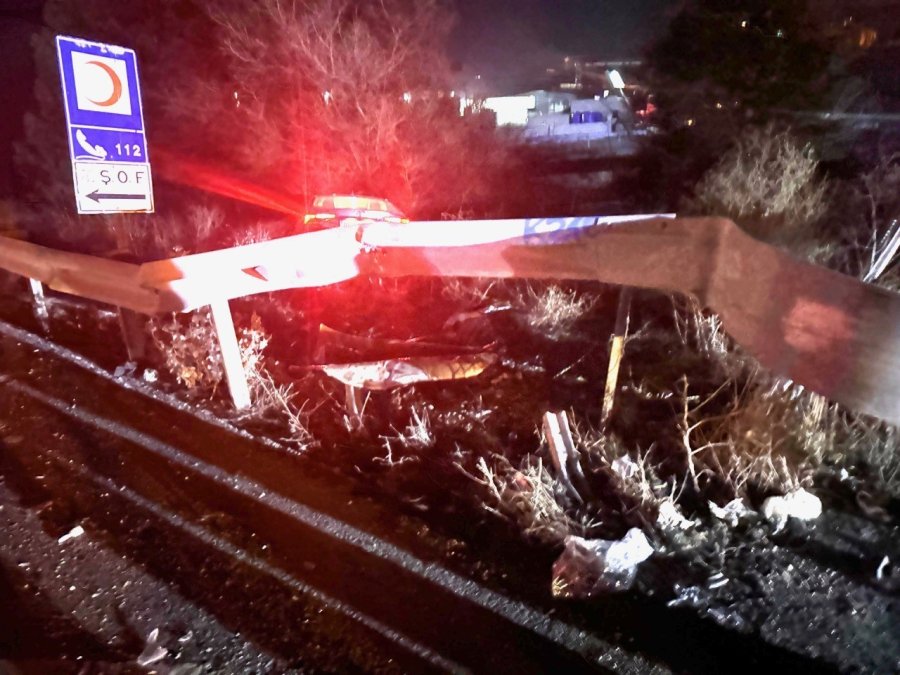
column 107, row 187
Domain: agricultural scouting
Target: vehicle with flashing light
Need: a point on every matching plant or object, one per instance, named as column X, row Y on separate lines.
column 351, row 211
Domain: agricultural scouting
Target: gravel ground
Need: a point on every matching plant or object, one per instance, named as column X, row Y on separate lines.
column 80, row 602
column 813, row 589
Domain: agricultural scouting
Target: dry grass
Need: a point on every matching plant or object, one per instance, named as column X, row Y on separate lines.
column 253, row 234
column 530, row 497
column 764, row 439
column 417, row 435
column 151, row 236
column 750, row 430
column 702, row 330
column 268, row 397
column 614, row 488
column 634, row 476
column 865, row 225
column 872, row 442
column 467, row 293
column 552, row 310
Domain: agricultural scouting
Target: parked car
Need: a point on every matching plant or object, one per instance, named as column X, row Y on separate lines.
column 351, row 211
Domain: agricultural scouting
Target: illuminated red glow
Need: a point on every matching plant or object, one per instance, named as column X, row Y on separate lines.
column 195, row 174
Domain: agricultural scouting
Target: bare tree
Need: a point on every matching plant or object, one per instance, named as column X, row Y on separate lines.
column 344, row 95
column 302, row 96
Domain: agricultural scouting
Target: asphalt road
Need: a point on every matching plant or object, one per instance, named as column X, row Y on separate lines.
column 141, row 530
column 243, row 560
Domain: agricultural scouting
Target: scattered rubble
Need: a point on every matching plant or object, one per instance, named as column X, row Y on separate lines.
column 624, row 467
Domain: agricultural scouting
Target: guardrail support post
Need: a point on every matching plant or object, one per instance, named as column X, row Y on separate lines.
column 231, row 354
column 40, row 303
column 134, row 333
column 354, row 405
column 616, row 351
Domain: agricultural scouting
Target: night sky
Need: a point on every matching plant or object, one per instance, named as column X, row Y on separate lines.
column 507, row 38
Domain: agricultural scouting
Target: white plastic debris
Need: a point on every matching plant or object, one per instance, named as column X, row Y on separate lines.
column 590, row 566
column 716, row 580
column 76, row 531
column 669, row 517
column 624, row 467
column 153, row 652
column 150, row 375
column 883, row 569
column 798, row 504
column 732, row 513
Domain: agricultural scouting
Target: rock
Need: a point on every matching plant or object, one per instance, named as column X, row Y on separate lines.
column 670, row 519
column 125, row 370
column 732, row 513
column 590, row 566
column 798, row 504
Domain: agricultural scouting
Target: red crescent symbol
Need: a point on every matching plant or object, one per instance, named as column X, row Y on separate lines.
column 116, row 82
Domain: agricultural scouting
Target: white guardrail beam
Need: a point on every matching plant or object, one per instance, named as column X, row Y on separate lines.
column 828, row 332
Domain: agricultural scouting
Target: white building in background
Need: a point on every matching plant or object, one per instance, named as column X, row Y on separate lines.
column 510, row 110
column 539, row 107
column 520, row 109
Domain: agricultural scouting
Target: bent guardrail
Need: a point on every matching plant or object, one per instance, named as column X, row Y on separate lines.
column 826, row 331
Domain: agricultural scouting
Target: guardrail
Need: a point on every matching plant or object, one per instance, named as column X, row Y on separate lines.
column 828, row 332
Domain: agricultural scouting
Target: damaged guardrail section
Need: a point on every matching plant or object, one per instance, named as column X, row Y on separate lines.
column 826, row 331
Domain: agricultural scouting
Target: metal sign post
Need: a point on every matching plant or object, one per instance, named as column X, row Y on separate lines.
column 105, row 123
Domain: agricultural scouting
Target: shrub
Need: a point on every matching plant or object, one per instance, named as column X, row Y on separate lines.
column 190, row 349
column 767, row 184
column 552, row 310
column 530, row 497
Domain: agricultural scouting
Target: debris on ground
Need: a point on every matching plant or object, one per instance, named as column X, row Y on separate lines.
column 153, row 651
column 392, row 373
column 588, row 567
column 733, row 513
column 564, row 454
column 125, row 370
column 334, row 344
column 669, row 518
column 799, row 504
column 76, row 531
column 624, row 467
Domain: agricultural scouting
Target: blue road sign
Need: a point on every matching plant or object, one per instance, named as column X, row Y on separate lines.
column 107, row 143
